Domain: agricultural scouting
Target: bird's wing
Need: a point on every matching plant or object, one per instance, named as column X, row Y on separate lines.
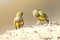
column 45, row 15
column 41, row 13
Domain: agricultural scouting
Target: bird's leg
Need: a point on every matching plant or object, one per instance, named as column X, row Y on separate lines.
column 38, row 22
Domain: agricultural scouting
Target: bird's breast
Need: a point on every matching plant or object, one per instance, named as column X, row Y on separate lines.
column 18, row 24
column 41, row 18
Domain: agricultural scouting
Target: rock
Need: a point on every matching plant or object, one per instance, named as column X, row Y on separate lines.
column 42, row 32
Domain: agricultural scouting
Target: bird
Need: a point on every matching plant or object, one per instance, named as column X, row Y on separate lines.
column 40, row 16
column 18, row 20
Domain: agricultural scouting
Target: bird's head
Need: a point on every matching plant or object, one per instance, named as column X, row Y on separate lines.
column 19, row 14
column 35, row 12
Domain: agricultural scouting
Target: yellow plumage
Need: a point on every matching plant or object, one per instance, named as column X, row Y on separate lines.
column 19, row 24
column 41, row 18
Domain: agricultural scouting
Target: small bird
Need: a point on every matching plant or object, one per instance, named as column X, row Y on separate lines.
column 40, row 15
column 18, row 20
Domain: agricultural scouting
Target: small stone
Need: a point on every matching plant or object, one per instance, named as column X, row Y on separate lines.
column 50, row 30
column 35, row 31
column 58, row 37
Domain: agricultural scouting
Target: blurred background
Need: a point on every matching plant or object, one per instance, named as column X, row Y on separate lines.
column 9, row 8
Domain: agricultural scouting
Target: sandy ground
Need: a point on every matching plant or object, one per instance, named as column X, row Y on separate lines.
column 36, row 32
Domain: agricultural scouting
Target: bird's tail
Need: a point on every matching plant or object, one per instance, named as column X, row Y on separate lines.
column 47, row 21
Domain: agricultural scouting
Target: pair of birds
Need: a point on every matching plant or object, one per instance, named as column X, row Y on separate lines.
column 38, row 14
